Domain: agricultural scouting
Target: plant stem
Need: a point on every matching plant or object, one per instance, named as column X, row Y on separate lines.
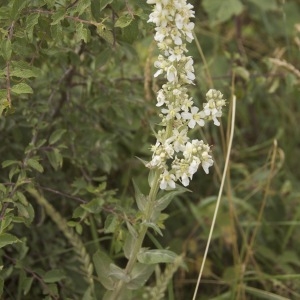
column 141, row 235
column 219, row 195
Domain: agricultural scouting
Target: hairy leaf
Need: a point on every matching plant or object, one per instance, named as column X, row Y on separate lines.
column 156, row 256
column 140, row 274
column 102, row 264
column 140, row 198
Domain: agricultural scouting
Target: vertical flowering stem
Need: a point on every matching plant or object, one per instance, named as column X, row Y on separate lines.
column 175, row 157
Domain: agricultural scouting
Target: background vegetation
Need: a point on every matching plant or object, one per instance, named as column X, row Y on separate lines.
column 77, row 100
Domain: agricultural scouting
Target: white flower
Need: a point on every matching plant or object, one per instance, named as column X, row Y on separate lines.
column 155, row 162
column 161, row 99
column 154, row 148
column 188, row 151
column 171, row 112
column 206, row 161
column 189, row 69
column 179, row 21
column 188, row 31
column 161, row 33
column 185, row 179
column 194, row 116
column 179, row 139
column 194, row 165
column 168, row 148
column 175, row 54
column 167, row 180
column 187, row 103
column 172, row 74
column 213, row 112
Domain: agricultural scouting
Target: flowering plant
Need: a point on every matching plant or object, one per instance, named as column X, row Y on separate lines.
column 175, row 157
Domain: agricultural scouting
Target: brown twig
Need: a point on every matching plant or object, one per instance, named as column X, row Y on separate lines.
column 9, row 37
column 76, row 19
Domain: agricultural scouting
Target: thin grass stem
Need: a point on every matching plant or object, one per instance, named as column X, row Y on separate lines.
column 219, row 195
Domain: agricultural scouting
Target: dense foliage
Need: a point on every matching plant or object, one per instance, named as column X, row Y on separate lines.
column 77, row 107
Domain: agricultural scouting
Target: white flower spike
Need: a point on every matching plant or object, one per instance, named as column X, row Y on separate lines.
column 174, row 153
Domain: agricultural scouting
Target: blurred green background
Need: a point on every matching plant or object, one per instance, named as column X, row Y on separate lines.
column 85, row 114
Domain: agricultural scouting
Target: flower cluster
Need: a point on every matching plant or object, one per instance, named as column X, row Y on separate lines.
column 174, row 153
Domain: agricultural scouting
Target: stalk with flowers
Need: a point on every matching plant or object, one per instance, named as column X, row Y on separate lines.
column 175, row 156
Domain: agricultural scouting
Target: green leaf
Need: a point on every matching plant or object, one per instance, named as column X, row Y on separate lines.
column 154, row 227
column 79, row 212
column 94, row 206
column 131, row 32
column 118, row 273
column 102, row 262
column 3, row 93
column 13, row 171
column 18, row 5
column 25, row 66
column 4, row 106
column 111, row 224
column 20, row 196
column 221, row 11
column 140, row 274
column 95, row 9
column 128, row 245
column 80, row 7
column 52, row 290
column 266, row 4
column 242, row 72
column 124, row 21
column 22, row 88
column 156, row 256
column 26, row 212
column 23, row 73
column 6, row 221
column 2, row 188
column 7, row 163
column 26, row 285
column 82, row 33
column 31, row 21
column 131, row 230
column 58, row 16
column 104, row 3
column 56, row 32
column 56, row 136
column 54, row 276
column 35, row 165
column 6, row 49
column 88, row 294
column 8, row 239
column 105, row 34
column 164, row 201
column 151, row 176
column 142, row 14
column 140, row 198
column 55, row 158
